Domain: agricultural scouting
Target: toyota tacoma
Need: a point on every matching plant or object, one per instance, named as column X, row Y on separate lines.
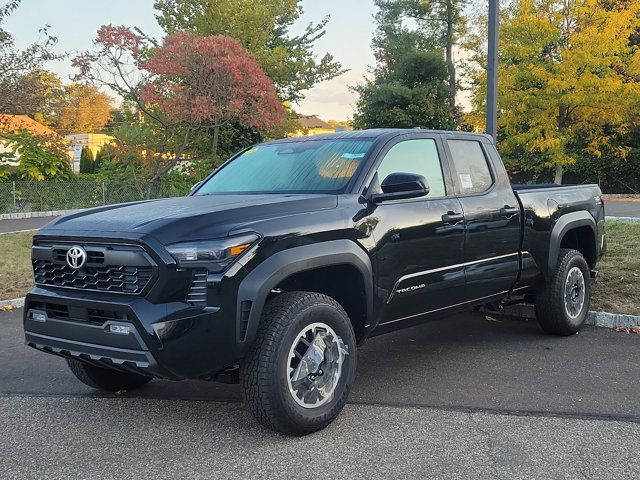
column 278, row 265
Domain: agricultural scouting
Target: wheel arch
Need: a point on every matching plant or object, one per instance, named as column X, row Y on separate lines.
column 309, row 267
column 575, row 230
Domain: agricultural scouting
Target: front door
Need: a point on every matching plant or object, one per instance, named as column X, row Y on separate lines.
column 419, row 241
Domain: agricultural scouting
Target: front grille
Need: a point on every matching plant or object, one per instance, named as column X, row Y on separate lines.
column 197, row 295
column 109, row 268
column 116, row 279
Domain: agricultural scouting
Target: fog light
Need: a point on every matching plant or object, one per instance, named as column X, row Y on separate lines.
column 38, row 317
column 122, row 329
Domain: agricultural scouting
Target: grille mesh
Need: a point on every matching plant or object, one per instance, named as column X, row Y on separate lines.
column 117, row 279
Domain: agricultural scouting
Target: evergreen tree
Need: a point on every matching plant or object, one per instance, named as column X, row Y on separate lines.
column 412, row 77
column 87, row 164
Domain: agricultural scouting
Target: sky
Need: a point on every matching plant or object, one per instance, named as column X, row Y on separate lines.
column 75, row 23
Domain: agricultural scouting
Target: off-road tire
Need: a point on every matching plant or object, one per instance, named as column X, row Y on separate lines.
column 550, row 300
column 106, row 378
column 263, row 372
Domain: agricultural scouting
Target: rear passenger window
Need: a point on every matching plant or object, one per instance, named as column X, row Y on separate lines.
column 472, row 170
column 419, row 156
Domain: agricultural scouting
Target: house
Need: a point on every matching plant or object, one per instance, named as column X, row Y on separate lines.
column 14, row 123
column 312, row 125
column 93, row 141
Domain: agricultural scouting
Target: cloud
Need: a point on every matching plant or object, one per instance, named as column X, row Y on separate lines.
column 332, row 100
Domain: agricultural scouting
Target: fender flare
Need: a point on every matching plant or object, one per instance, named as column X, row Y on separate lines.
column 565, row 223
column 257, row 285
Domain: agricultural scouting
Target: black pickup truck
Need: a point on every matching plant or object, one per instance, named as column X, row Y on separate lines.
column 293, row 252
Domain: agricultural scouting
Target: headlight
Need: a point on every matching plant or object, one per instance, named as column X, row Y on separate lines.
column 214, row 255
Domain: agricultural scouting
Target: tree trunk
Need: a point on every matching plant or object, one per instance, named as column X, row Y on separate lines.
column 449, row 57
column 558, row 177
column 214, row 142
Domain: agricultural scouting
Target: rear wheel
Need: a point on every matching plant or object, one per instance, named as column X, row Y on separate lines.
column 298, row 374
column 563, row 303
column 106, row 378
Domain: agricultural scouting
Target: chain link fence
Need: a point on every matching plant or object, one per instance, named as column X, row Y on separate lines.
column 21, row 196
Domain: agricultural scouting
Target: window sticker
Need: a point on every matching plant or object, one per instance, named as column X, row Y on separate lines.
column 251, row 150
column 465, row 181
column 351, row 156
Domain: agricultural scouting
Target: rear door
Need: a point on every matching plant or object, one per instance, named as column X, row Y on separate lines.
column 491, row 217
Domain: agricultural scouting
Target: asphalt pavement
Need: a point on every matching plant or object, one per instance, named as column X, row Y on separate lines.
column 460, row 397
column 18, row 225
column 622, row 209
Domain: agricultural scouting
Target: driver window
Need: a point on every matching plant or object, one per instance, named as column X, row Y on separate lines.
column 419, row 156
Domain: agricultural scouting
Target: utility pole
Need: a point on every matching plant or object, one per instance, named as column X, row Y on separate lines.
column 492, row 69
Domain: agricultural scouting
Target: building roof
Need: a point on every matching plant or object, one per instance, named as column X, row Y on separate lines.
column 312, row 121
column 13, row 123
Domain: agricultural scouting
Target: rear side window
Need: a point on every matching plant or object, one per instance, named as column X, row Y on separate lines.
column 472, row 171
column 419, row 156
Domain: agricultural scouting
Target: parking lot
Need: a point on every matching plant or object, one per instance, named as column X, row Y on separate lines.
column 461, row 397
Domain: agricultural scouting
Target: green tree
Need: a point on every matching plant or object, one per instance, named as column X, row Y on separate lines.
column 263, row 29
column 87, row 164
column 41, row 157
column 414, row 95
column 568, row 81
column 405, row 25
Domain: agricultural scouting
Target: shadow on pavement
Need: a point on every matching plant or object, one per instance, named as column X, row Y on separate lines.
column 462, row 361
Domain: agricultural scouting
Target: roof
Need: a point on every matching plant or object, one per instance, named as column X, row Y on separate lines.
column 375, row 133
column 12, row 123
column 312, row 121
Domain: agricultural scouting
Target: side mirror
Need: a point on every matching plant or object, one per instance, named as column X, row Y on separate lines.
column 195, row 185
column 398, row 186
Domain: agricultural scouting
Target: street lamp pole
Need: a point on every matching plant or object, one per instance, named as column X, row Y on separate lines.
column 492, row 69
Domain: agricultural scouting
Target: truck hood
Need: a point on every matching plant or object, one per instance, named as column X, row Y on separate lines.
column 174, row 219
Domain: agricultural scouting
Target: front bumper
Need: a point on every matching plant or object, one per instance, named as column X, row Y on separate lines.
column 168, row 340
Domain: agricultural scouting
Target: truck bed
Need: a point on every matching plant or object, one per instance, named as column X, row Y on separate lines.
column 544, row 206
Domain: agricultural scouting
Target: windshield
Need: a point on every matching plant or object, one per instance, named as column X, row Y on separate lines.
column 306, row 166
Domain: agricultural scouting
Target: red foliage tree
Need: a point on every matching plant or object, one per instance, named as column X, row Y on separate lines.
column 210, row 81
column 187, row 83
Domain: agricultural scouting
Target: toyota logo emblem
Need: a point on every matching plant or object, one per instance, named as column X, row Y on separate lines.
column 76, row 257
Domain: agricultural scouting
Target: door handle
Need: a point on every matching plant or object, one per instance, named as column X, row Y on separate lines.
column 509, row 212
column 452, row 218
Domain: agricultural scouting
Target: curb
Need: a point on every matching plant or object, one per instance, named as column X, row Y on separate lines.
column 596, row 319
column 16, row 303
column 620, row 195
column 622, row 219
column 49, row 213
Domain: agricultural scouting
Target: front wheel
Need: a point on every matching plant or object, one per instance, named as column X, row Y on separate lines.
column 297, row 376
column 562, row 304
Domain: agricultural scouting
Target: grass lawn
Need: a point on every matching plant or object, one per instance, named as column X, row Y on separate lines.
column 618, row 287
column 15, row 265
column 617, row 290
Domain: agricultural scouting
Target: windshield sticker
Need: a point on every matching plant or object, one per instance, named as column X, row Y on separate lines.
column 465, row 180
column 251, row 150
column 351, row 156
